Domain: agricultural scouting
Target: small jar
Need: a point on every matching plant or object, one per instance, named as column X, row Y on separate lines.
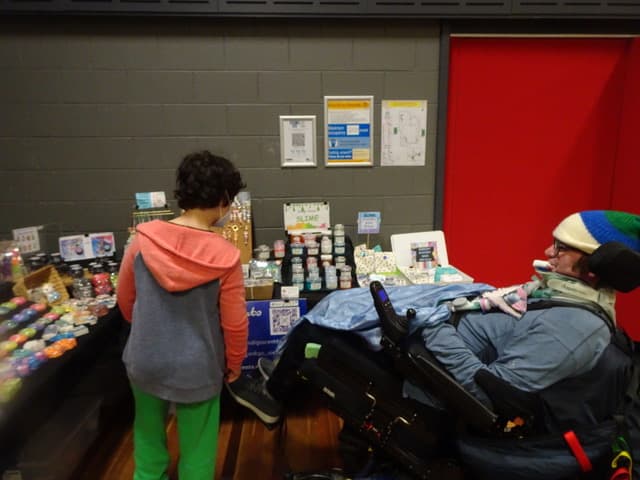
column 299, row 284
column 102, row 284
column 338, row 239
column 326, row 246
column 278, row 249
column 345, row 277
column 313, row 282
column 313, row 248
column 113, row 269
column 262, row 252
column 330, row 277
column 297, row 247
column 312, row 262
column 341, row 262
column 297, row 273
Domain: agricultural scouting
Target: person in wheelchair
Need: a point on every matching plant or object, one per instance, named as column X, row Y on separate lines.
column 531, row 359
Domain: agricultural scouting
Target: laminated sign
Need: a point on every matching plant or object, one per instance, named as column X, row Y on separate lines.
column 348, row 130
column 312, row 217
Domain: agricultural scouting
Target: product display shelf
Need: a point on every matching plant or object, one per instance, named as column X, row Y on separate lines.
column 92, row 372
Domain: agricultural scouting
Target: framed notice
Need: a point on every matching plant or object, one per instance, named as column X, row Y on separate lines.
column 298, row 140
column 348, row 131
column 403, row 139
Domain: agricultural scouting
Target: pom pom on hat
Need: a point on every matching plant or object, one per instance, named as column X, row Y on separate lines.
column 587, row 230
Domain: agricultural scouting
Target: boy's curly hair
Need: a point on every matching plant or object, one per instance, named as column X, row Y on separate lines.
column 204, row 180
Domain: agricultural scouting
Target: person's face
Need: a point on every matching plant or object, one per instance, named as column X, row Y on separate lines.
column 564, row 259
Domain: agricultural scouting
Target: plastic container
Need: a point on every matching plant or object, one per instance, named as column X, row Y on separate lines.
column 326, row 246
column 278, row 249
column 345, row 277
column 330, row 277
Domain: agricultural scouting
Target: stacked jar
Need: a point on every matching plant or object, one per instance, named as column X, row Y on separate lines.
column 113, row 269
column 313, row 282
column 297, row 247
column 330, row 277
column 339, row 247
column 345, row 277
column 297, row 273
column 278, row 249
column 82, row 287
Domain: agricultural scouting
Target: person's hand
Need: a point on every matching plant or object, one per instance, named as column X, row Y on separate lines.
column 231, row 376
column 510, row 300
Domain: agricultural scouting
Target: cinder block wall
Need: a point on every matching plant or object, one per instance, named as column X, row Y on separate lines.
column 96, row 109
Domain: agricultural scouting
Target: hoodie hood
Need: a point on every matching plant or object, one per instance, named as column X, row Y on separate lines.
column 181, row 258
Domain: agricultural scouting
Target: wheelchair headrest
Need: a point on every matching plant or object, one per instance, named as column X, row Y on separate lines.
column 616, row 265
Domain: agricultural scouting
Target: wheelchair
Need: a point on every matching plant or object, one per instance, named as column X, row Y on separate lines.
column 565, row 432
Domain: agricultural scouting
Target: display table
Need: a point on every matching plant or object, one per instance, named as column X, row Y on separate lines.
column 92, row 371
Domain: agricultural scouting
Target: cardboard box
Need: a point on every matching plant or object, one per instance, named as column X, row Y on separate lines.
column 269, row 321
column 259, row 291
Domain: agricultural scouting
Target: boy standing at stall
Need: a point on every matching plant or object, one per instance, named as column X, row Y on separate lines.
column 181, row 287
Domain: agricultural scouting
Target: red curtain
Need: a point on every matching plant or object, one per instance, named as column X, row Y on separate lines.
column 537, row 128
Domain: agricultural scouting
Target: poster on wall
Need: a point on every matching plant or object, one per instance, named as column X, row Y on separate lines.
column 403, row 141
column 298, row 140
column 348, row 130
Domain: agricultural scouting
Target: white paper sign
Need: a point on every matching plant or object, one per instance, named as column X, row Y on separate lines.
column 307, row 217
column 151, row 199
column 298, row 141
column 28, row 238
column 82, row 247
column 404, row 133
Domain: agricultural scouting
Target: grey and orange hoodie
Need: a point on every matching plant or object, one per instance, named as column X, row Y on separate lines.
column 182, row 289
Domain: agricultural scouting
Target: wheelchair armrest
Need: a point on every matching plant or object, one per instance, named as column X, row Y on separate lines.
column 419, row 366
column 511, row 402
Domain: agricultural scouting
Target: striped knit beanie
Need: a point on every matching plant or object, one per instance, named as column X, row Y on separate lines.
column 587, row 230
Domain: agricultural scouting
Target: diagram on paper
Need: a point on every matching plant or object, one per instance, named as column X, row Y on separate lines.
column 404, row 132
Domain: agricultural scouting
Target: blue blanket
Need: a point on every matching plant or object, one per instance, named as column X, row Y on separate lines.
column 353, row 310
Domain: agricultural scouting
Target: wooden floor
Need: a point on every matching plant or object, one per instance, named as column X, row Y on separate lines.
column 307, row 441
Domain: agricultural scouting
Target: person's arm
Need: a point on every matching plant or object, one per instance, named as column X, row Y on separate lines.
column 126, row 290
column 534, row 352
column 450, row 350
column 233, row 320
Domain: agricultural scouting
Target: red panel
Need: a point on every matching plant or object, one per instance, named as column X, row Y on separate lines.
column 627, row 175
column 532, row 130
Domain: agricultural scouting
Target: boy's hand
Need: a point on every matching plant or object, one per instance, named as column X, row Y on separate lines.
column 231, row 376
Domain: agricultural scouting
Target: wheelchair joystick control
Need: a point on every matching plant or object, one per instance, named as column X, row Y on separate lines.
column 394, row 327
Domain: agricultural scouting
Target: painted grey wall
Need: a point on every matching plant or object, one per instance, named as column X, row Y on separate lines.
column 93, row 110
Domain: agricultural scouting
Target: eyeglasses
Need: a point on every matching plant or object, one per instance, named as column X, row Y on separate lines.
column 560, row 247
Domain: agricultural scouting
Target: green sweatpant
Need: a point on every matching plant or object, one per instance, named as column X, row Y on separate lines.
column 198, row 425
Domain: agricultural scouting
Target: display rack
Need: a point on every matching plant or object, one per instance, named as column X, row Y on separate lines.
column 139, row 215
column 239, row 229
